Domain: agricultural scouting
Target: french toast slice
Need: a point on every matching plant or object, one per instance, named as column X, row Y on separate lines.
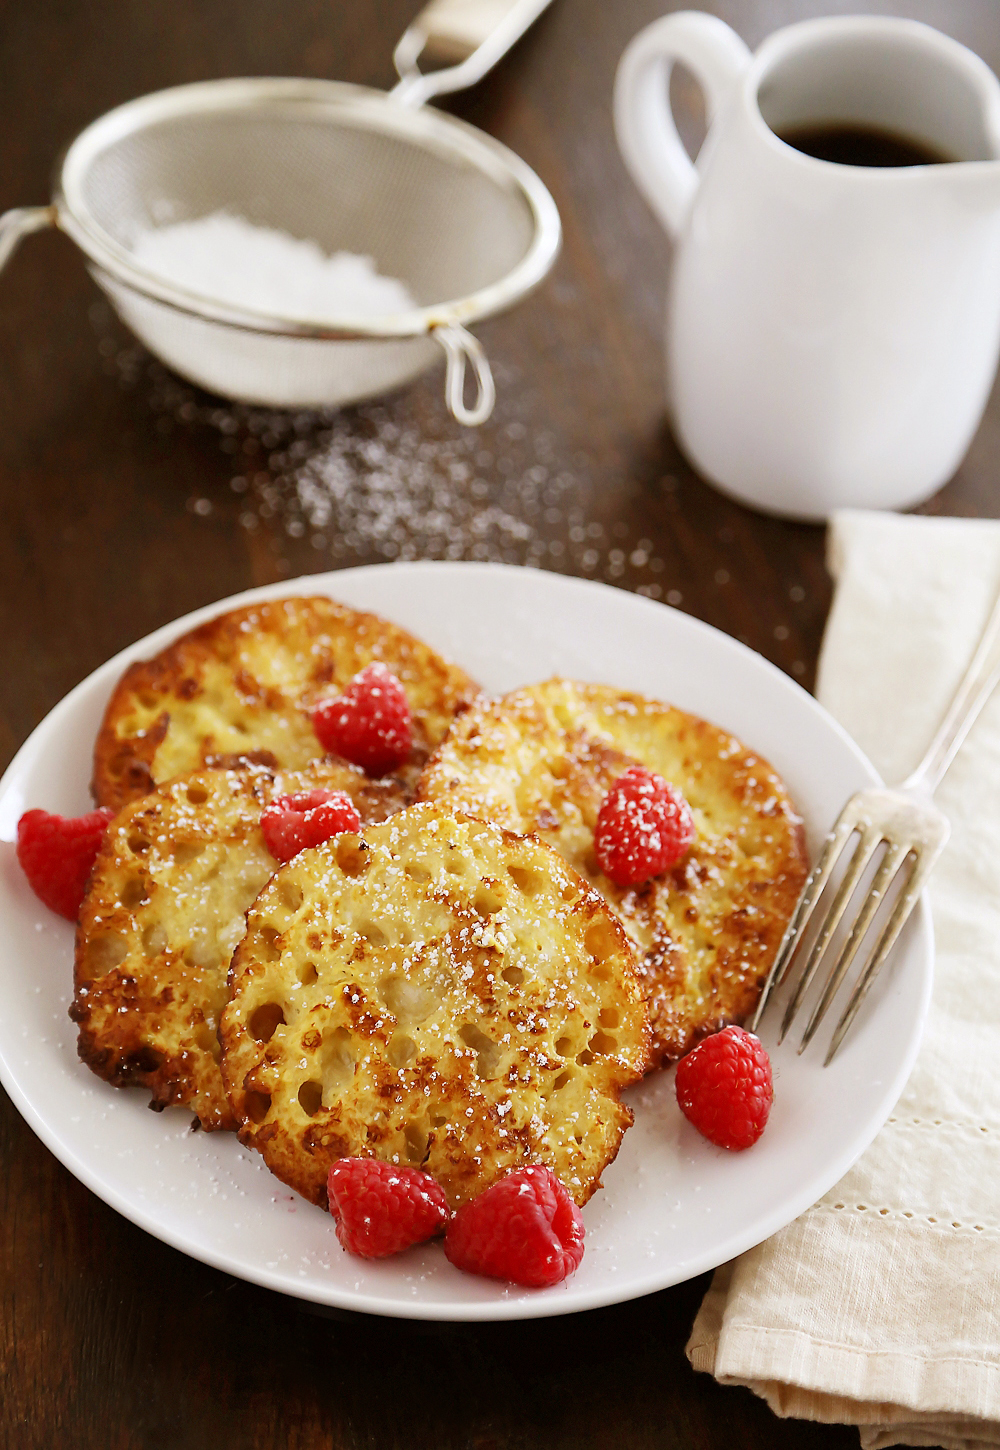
column 542, row 758
column 439, row 993
column 240, row 688
column 164, row 909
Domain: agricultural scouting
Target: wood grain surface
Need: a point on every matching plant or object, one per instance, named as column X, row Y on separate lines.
column 129, row 498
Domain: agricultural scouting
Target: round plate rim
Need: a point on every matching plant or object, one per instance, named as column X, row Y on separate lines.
column 538, row 1304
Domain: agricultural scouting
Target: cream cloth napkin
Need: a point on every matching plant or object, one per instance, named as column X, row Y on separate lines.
column 887, row 1316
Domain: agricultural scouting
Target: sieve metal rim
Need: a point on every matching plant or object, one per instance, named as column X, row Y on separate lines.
column 447, row 135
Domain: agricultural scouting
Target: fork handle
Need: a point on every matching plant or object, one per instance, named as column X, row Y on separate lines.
column 975, row 688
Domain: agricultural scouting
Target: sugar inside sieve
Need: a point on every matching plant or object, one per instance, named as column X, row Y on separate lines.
column 458, row 219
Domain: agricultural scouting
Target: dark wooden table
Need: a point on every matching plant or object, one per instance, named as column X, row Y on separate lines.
column 128, row 498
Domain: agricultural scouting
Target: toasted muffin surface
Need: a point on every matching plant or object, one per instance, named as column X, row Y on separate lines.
column 164, row 909
column 242, row 686
column 439, row 993
column 542, row 758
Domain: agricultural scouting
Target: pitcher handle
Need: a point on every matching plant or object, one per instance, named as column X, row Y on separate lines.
column 644, row 122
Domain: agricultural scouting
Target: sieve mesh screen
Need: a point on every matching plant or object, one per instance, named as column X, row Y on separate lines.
column 447, row 211
column 439, row 223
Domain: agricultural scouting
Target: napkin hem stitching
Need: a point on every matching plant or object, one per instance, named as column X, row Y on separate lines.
column 804, row 1335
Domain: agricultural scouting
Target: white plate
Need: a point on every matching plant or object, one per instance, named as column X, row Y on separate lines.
column 672, row 1205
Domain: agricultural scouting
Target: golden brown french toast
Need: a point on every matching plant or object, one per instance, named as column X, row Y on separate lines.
column 542, row 759
column 164, row 909
column 435, row 992
column 241, row 687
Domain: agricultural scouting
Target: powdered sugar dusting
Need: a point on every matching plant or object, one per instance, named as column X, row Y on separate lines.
column 230, row 259
column 397, row 479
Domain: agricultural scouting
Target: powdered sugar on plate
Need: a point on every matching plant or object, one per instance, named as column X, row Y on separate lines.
column 229, row 259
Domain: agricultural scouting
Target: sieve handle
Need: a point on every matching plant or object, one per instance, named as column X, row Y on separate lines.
column 18, row 223
column 467, row 37
column 460, row 348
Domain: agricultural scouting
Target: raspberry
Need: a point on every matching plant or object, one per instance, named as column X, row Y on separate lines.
column 369, row 724
column 57, row 855
column 381, row 1209
column 644, row 825
column 526, row 1228
column 293, row 822
column 724, row 1088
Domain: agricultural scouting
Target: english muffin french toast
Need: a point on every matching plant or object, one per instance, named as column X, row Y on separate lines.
column 435, row 992
column 163, row 911
column 241, row 686
column 542, row 758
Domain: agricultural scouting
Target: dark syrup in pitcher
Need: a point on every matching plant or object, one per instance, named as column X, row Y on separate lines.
column 853, row 145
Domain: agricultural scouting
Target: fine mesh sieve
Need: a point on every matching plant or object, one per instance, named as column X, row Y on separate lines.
column 457, row 217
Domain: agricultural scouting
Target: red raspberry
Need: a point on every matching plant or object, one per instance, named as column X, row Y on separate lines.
column 381, row 1209
column 724, row 1088
column 644, row 825
column 293, row 822
column 369, row 724
column 57, row 855
column 526, row 1228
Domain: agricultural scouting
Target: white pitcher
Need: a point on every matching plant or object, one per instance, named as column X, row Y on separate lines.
column 832, row 330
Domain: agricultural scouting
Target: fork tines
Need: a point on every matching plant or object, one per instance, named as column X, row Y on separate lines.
column 913, row 833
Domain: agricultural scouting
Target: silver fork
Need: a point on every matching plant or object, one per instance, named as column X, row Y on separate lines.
column 913, row 831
